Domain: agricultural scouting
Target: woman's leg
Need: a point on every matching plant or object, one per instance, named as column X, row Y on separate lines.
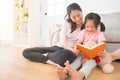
column 61, row 71
column 61, row 56
column 36, row 54
column 42, row 50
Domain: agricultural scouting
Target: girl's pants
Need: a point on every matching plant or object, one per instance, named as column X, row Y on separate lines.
column 86, row 68
column 56, row 54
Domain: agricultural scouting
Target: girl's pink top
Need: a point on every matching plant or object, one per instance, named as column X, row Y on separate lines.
column 85, row 36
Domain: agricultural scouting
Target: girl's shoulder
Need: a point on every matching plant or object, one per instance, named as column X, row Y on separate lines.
column 84, row 31
column 100, row 32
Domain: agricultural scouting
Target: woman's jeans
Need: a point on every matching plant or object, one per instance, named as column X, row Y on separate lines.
column 56, row 54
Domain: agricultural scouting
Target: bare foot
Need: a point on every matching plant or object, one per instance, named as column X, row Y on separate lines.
column 61, row 72
column 52, row 63
column 75, row 75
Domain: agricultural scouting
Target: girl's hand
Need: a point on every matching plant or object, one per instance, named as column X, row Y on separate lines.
column 102, row 54
column 84, row 60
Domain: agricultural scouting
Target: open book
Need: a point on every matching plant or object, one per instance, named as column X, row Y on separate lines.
column 91, row 52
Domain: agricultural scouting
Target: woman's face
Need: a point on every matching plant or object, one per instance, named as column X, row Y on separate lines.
column 76, row 17
column 90, row 26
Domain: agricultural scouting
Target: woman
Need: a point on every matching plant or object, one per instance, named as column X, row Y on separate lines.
column 64, row 48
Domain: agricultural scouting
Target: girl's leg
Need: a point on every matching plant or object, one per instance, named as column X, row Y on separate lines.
column 87, row 67
column 61, row 71
column 76, row 63
column 84, row 71
column 75, row 75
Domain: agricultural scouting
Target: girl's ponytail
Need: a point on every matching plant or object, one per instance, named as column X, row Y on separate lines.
column 102, row 27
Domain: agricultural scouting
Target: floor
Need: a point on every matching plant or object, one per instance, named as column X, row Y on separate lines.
column 14, row 67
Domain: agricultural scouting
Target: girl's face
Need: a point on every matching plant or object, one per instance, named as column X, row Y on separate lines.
column 90, row 26
column 76, row 17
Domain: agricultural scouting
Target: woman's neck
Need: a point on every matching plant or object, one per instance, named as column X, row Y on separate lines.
column 78, row 26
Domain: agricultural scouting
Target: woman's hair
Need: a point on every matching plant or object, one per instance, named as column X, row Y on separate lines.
column 71, row 7
column 96, row 19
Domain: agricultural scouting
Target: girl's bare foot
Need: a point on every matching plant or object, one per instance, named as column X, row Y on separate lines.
column 75, row 75
column 61, row 72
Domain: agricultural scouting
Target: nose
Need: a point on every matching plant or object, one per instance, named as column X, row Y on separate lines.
column 89, row 29
column 77, row 19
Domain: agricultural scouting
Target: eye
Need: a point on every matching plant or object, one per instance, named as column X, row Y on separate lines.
column 73, row 17
column 87, row 26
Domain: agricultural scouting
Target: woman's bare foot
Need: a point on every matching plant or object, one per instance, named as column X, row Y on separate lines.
column 61, row 72
column 75, row 75
column 52, row 63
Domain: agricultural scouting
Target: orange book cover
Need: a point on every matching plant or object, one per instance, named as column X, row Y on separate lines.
column 91, row 52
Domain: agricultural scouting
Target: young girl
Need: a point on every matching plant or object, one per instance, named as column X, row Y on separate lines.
column 89, row 32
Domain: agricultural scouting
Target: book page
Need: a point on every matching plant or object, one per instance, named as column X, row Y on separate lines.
column 96, row 45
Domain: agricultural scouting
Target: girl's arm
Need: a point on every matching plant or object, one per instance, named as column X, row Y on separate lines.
column 101, row 37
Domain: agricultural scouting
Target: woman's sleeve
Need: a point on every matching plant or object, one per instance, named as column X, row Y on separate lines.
column 101, row 37
column 63, row 33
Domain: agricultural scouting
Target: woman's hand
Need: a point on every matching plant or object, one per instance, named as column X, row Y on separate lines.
column 76, row 52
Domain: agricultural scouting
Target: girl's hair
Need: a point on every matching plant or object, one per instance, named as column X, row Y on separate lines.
column 71, row 7
column 96, row 19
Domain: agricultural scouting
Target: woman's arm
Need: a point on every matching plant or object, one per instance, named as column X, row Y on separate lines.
column 74, row 50
column 63, row 36
column 65, row 46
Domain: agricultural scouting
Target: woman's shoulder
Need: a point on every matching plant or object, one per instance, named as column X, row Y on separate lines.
column 83, row 30
column 67, row 24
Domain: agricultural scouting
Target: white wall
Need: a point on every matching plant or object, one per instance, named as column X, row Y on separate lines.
column 6, row 21
column 99, row 6
column 34, row 22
